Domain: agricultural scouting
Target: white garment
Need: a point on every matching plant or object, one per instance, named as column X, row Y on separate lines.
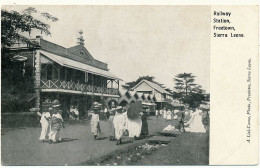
column 95, row 125
column 156, row 112
column 161, row 112
column 76, row 111
column 164, row 114
column 55, row 135
column 45, row 125
column 169, row 128
column 134, row 127
column 195, row 122
column 119, row 124
column 169, row 115
column 95, row 117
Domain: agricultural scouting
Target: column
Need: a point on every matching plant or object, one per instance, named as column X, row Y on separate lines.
column 37, row 78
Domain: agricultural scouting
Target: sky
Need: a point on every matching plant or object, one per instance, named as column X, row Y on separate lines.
column 160, row 41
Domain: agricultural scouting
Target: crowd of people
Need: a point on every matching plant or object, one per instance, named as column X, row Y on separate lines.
column 189, row 119
column 195, row 120
column 120, row 124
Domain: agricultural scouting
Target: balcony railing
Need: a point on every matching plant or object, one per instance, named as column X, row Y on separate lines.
column 68, row 85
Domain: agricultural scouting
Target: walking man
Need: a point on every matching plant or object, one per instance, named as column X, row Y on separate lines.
column 95, row 125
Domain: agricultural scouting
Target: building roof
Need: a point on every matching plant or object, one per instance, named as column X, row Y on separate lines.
column 78, row 65
column 153, row 85
column 77, row 53
column 122, row 90
column 139, row 94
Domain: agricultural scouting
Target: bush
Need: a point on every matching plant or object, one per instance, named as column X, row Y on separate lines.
column 19, row 120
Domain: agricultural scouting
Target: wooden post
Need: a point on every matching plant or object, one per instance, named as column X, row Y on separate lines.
column 59, row 71
column 37, row 78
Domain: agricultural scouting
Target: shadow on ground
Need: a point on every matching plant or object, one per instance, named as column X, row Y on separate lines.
column 67, row 140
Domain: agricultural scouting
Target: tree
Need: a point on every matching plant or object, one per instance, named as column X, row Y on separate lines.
column 187, row 91
column 13, row 24
column 17, row 78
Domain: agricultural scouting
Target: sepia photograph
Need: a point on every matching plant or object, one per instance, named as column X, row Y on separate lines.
column 105, row 85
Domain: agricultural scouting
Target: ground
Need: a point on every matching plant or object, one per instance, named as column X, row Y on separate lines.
column 20, row 146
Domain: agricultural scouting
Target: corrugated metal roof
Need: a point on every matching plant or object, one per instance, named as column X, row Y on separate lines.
column 154, row 85
column 78, row 65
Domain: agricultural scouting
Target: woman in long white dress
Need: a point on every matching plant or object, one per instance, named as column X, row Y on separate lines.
column 134, row 127
column 119, row 123
column 195, row 122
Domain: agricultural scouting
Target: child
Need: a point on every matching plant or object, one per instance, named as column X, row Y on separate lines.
column 56, row 123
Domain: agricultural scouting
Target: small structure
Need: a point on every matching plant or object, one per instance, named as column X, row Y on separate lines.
column 151, row 94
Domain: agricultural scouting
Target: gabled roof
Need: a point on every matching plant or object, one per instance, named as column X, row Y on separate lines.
column 153, row 85
column 77, row 53
column 132, row 93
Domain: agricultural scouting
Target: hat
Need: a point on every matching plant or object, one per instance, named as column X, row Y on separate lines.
column 113, row 106
column 95, row 105
column 56, row 103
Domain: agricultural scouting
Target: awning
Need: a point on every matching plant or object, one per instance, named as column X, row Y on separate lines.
column 148, row 104
column 175, row 104
column 78, row 65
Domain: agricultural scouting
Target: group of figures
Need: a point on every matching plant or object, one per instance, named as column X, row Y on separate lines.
column 51, row 122
column 120, row 124
column 198, row 118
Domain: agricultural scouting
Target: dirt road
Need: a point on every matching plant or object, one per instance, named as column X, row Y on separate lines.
column 21, row 146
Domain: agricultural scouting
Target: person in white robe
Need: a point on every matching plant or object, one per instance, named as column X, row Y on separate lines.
column 111, row 125
column 161, row 112
column 134, row 127
column 45, row 118
column 76, row 111
column 195, row 122
column 95, row 124
column 164, row 113
column 156, row 113
column 119, row 124
column 168, row 115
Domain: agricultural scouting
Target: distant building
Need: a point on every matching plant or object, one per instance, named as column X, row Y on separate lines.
column 70, row 75
column 145, row 91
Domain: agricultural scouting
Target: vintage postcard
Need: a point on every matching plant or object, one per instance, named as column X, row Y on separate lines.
column 116, row 85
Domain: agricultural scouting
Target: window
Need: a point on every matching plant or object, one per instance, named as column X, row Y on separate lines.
column 62, row 74
column 49, row 72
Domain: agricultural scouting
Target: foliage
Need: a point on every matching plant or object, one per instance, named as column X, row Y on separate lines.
column 187, row 91
column 14, row 23
column 17, row 76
